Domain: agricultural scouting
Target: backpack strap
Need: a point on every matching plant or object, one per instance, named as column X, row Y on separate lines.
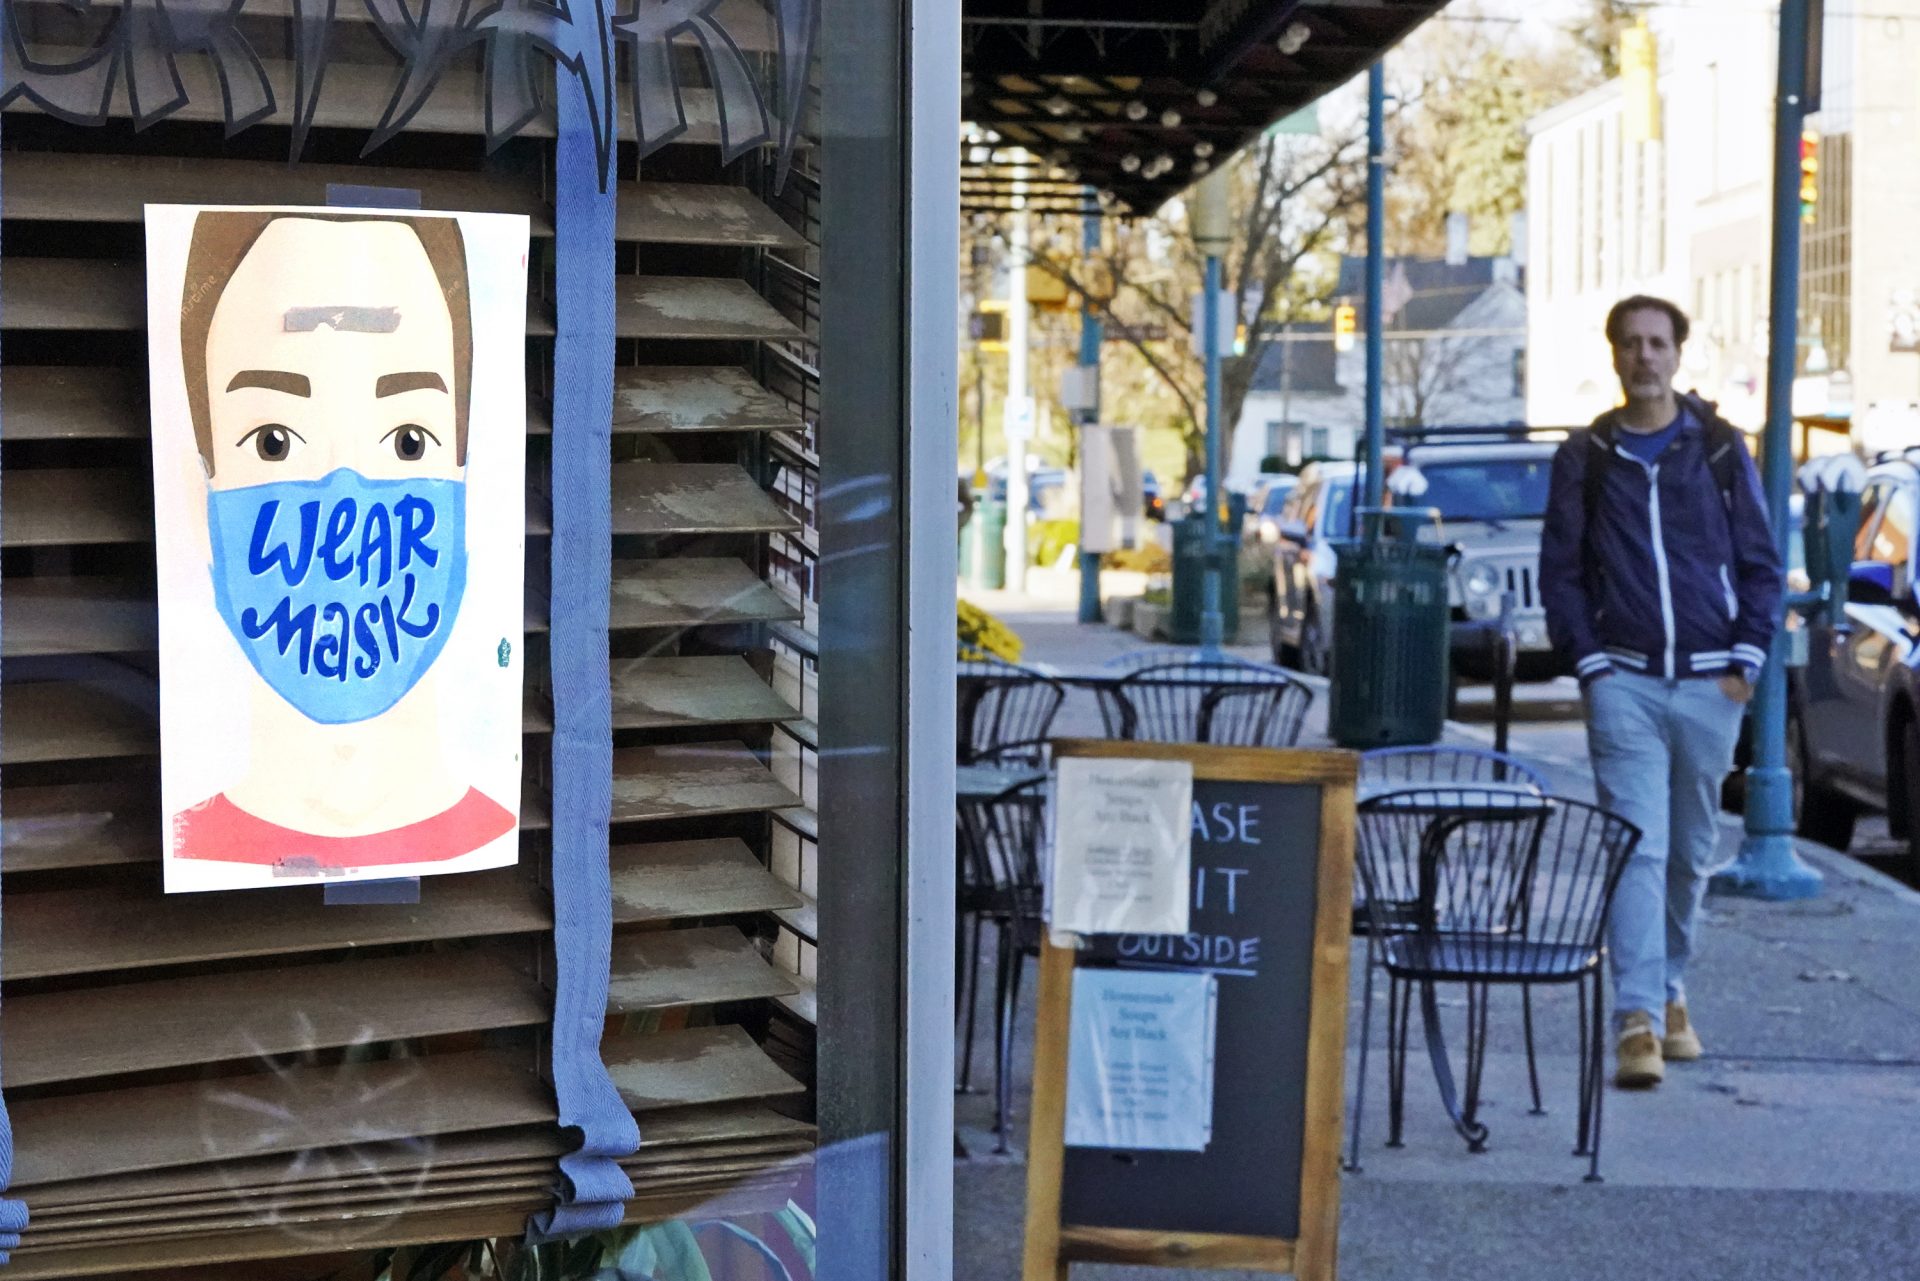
column 1722, row 460
column 1599, row 439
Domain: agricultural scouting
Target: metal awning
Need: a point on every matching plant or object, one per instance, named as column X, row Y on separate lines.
column 1135, row 100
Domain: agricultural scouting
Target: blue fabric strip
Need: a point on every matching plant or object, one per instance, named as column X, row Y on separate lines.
column 594, row 1189
column 13, row 1212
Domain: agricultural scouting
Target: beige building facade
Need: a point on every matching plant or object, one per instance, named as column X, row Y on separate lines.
column 1686, row 216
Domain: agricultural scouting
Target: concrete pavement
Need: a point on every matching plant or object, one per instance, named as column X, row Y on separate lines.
column 1792, row 1149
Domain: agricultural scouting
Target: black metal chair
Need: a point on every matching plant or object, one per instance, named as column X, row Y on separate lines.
column 1000, row 882
column 1205, row 701
column 1005, row 712
column 1489, row 887
column 1387, row 769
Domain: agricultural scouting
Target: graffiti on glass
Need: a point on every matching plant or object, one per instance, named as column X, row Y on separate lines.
column 138, row 53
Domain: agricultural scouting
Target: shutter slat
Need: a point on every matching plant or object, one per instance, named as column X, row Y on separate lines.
column 705, row 307
column 131, row 926
column 75, row 1136
column 705, row 1166
column 690, row 780
column 80, row 1136
column 666, row 1135
column 71, row 721
column 248, row 1014
column 116, row 1256
column 87, row 506
column 682, row 879
column 692, row 592
column 77, row 616
column 74, row 721
column 801, row 820
column 685, row 213
column 696, row 398
column 60, row 187
column 666, row 693
column 60, row 403
column 803, row 920
column 663, row 968
column 73, row 506
column 697, row 1065
column 73, row 293
column 692, row 498
column 70, row 825
column 355, row 94
column 101, row 824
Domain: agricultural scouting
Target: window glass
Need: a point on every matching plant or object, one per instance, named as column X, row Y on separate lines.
column 1490, row 489
column 1339, row 500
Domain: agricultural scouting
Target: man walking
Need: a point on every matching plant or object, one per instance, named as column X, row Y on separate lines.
column 1661, row 582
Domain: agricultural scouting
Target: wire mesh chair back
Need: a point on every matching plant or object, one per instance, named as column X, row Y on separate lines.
column 1005, row 712
column 1229, row 702
column 1493, row 886
column 1000, row 856
column 1387, row 769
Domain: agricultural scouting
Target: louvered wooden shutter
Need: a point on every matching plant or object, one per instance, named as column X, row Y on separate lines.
column 246, row 1074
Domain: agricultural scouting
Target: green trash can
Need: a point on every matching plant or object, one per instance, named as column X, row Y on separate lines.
column 986, row 545
column 1190, row 579
column 1390, row 633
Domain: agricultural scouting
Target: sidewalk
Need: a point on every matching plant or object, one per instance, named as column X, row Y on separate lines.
column 1792, row 1150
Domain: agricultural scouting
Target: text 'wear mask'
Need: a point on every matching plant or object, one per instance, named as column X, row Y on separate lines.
column 341, row 591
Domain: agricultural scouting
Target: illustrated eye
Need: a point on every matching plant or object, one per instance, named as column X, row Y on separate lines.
column 410, row 442
column 273, row 442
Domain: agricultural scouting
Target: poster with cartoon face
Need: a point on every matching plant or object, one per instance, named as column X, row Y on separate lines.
column 339, row 459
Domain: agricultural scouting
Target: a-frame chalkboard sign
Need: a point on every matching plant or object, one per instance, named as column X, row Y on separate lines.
column 1273, row 893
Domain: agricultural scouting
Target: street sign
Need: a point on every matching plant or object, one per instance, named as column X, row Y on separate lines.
column 1272, row 865
column 1227, row 309
column 1018, row 419
column 1134, row 333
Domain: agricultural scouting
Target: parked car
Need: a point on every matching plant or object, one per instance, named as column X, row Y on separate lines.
column 1044, row 485
column 1262, row 523
column 1491, row 491
column 1853, row 729
column 1300, row 596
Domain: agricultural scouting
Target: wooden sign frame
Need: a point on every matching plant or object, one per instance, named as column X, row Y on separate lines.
column 1052, row 1246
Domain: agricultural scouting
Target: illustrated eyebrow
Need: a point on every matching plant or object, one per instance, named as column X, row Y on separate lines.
column 273, row 380
column 417, row 380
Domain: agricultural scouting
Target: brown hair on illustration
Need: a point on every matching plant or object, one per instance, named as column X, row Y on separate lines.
column 221, row 241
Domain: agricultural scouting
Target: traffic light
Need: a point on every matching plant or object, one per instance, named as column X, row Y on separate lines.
column 1809, row 174
column 1345, row 319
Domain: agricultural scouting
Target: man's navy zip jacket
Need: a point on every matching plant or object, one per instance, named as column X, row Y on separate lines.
column 1672, row 579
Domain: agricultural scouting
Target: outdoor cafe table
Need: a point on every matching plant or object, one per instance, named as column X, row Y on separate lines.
column 984, row 782
column 1446, row 806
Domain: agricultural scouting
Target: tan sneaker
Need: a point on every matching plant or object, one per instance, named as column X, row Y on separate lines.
column 1641, row 1067
column 1683, row 1043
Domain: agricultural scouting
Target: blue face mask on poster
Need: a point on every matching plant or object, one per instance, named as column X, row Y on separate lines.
column 342, row 590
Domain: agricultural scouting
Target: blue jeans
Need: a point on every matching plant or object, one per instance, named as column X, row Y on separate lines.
column 1660, row 750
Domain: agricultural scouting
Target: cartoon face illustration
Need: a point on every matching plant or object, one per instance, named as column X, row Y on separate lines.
column 341, row 673
column 329, row 366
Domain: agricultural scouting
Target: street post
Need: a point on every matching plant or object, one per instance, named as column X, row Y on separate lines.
column 1090, row 338
column 1767, row 866
column 1376, row 274
column 1210, row 223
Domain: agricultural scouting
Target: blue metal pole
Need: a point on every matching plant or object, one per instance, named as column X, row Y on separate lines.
column 1090, row 337
column 1376, row 272
column 1212, row 624
column 1768, row 867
